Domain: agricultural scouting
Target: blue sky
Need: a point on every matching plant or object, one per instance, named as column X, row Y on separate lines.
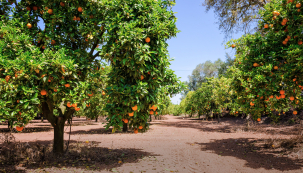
column 199, row 40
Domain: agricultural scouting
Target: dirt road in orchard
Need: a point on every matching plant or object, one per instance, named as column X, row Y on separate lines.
column 174, row 144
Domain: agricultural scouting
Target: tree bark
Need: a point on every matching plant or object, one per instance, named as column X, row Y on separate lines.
column 218, row 117
column 125, row 127
column 150, row 118
column 97, row 119
column 59, row 136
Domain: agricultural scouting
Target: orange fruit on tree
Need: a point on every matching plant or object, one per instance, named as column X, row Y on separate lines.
column 140, row 127
column 16, row 75
column 276, row 67
column 259, row 119
column 295, row 112
column 19, row 128
column 135, row 108
column 156, row 113
column 43, row 92
column 77, row 109
column 74, row 105
column 298, row 5
column 29, row 26
column 294, row 79
column 62, row 4
column 282, row 92
column 135, row 130
column 299, row 42
column 266, row 26
column 74, row 18
column 80, row 9
column 126, row 121
column 282, row 96
column 147, row 40
column 291, row 98
column 255, row 64
column 131, row 114
column 298, row 10
column 43, row 47
column 154, row 107
column 7, row 78
column 19, row 113
column 53, row 42
column 18, row 101
column 35, row 8
column 151, row 112
column 68, row 104
column 28, row 8
column 87, row 105
column 50, row 11
column 142, row 77
column 78, row 18
column 233, row 45
column 67, row 85
column 55, row 90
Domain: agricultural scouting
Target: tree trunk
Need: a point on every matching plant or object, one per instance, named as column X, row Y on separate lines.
column 125, row 127
column 150, row 118
column 97, row 119
column 9, row 126
column 59, row 136
column 218, row 117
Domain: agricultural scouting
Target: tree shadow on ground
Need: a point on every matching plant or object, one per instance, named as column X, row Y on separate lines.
column 256, row 156
column 28, row 129
column 99, row 131
column 21, row 157
column 230, row 125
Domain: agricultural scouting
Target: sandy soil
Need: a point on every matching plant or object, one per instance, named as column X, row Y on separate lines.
column 176, row 144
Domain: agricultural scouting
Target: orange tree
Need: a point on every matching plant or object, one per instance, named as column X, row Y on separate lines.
column 267, row 76
column 97, row 101
column 136, row 47
column 187, row 104
column 46, row 69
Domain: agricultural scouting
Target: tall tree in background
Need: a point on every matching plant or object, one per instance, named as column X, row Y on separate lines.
column 224, row 66
column 236, row 15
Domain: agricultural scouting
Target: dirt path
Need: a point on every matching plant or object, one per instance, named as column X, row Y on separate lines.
column 174, row 145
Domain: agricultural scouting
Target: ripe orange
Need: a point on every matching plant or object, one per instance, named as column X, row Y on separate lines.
column 53, row 42
column 271, row 96
column 50, row 11
column 35, row 8
column 295, row 112
column 55, row 90
column 43, row 47
column 294, row 79
column 151, row 112
column 18, row 101
column 62, row 4
column 154, row 107
column 135, row 130
column 266, row 26
column 43, row 92
column 103, row 93
column 282, row 92
column 28, row 8
column 80, row 9
column 259, row 119
column 142, row 77
column 90, row 94
column 255, row 64
column 135, row 108
column 74, row 18
column 19, row 128
column 68, row 104
column 298, row 10
column 19, row 113
column 298, row 5
column 88, row 105
column 77, row 109
column 74, row 105
column 299, row 42
column 282, row 96
column 78, row 18
column 29, row 26
column 67, row 85
column 233, row 45
column 131, row 114
column 147, row 40
column 276, row 67
column 291, row 98
column 140, row 127
column 126, row 121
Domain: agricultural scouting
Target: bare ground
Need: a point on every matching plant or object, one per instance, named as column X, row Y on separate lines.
column 175, row 144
